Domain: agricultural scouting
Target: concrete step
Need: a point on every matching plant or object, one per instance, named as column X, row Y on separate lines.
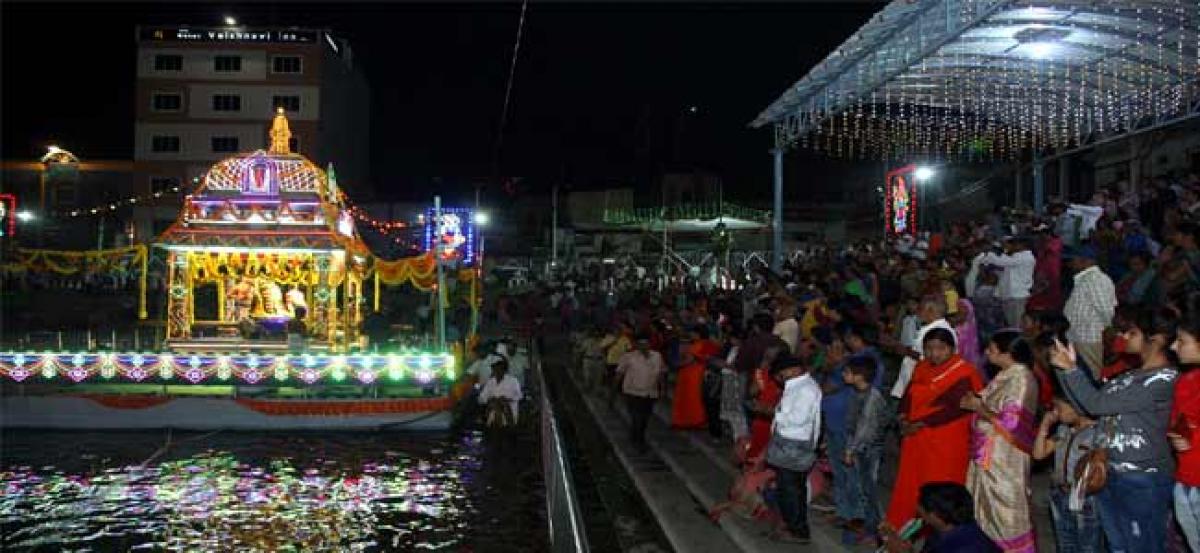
column 678, row 513
column 705, row 474
column 709, row 470
column 706, row 468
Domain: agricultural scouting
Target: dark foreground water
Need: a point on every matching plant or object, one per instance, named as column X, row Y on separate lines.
column 121, row 491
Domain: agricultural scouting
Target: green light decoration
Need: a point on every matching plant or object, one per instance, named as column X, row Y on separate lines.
column 251, row 369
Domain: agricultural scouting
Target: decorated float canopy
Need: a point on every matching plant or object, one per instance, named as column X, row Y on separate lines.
column 261, row 222
column 265, row 200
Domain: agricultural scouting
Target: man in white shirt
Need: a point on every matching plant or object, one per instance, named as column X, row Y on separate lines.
column 502, row 387
column 932, row 312
column 1090, row 308
column 482, row 367
column 972, row 279
column 797, row 420
column 641, row 372
column 786, row 326
column 1016, row 282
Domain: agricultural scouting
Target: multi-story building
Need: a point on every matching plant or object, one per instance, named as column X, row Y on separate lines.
column 204, row 94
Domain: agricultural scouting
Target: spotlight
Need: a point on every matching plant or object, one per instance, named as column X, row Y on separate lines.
column 482, row 218
column 1041, row 50
column 229, row 20
column 25, row 216
column 923, row 173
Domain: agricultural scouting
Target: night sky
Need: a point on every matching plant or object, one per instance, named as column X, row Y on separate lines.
column 602, row 92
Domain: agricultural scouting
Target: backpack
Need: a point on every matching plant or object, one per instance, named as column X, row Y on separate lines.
column 498, row 414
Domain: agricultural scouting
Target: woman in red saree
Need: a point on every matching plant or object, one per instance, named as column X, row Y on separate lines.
column 687, row 409
column 937, row 432
column 765, row 394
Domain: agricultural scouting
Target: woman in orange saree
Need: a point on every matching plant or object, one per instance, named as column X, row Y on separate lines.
column 766, row 394
column 687, row 409
column 937, row 432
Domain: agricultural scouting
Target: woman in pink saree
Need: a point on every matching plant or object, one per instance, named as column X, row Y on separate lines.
column 1002, row 435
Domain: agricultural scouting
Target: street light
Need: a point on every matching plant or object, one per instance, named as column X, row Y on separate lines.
column 229, row 20
column 923, row 173
column 481, row 218
column 25, row 216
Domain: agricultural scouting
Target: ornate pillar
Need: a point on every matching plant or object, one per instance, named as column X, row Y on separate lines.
column 322, row 298
column 179, row 297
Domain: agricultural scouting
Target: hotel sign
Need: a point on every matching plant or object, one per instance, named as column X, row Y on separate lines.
column 191, row 34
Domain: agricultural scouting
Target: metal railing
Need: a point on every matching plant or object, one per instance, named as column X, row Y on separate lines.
column 142, row 339
column 563, row 515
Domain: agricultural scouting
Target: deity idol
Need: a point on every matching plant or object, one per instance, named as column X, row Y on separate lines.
column 272, row 298
column 295, row 299
column 243, row 297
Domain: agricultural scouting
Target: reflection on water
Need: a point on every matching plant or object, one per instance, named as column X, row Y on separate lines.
column 266, row 492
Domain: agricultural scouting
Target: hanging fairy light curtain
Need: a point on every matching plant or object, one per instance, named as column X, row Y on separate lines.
column 119, row 264
column 992, row 79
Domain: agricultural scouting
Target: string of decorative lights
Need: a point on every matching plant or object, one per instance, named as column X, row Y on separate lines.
column 110, row 206
column 385, row 227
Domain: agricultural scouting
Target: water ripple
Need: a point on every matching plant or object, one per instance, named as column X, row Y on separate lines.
column 247, row 493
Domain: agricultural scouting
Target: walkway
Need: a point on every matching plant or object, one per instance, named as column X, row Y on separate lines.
column 687, row 473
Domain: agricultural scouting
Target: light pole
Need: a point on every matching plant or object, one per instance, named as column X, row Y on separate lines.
column 924, row 175
column 441, row 278
column 481, row 219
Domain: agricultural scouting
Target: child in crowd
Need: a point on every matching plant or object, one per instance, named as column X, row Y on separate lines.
column 989, row 312
column 1074, row 529
column 948, row 510
column 866, row 421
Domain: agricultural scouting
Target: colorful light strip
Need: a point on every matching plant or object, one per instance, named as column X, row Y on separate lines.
column 208, row 368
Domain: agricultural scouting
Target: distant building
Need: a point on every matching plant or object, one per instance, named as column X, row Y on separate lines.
column 204, row 94
column 72, row 203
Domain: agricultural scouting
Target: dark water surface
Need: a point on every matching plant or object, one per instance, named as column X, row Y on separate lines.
column 227, row 491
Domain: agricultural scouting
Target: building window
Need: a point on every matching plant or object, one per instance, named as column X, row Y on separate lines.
column 286, row 64
column 168, row 62
column 167, row 102
column 289, row 103
column 160, row 143
column 227, row 63
column 294, row 144
column 224, row 143
column 164, row 184
column 226, row 102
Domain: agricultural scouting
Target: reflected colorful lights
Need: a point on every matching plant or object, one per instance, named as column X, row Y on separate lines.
column 249, row 369
column 212, row 501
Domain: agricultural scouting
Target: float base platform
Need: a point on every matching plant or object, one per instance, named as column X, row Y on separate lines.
column 131, row 412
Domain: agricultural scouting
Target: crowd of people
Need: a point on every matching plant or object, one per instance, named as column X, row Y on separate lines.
column 931, row 377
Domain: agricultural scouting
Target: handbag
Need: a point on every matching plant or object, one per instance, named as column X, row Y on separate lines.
column 1091, row 473
column 790, row 454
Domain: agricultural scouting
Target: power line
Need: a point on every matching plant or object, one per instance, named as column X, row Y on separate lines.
column 512, row 69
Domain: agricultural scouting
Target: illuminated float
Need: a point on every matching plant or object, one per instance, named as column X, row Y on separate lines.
column 270, row 232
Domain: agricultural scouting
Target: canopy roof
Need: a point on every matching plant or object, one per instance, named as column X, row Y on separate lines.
column 991, row 77
column 266, row 199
